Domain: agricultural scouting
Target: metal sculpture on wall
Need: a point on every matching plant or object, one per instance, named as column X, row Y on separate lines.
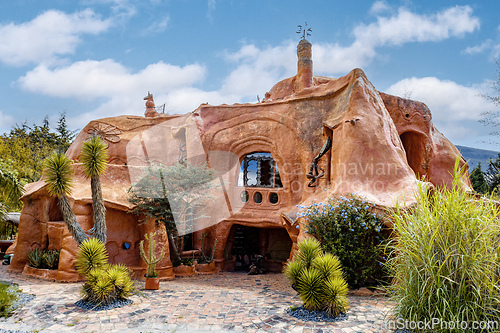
column 314, row 174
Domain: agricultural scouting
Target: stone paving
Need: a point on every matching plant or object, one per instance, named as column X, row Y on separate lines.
column 224, row 302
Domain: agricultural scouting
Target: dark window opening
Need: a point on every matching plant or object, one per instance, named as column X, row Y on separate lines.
column 259, row 170
column 273, row 198
column 257, row 197
column 244, row 196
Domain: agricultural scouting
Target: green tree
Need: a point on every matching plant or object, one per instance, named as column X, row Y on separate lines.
column 492, row 174
column 25, row 148
column 59, row 180
column 478, row 180
column 184, row 187
column 94, row 157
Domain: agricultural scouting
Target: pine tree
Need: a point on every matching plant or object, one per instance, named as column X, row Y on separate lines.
column 478, row 181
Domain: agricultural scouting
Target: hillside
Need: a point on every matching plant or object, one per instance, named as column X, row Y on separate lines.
column 474, row 156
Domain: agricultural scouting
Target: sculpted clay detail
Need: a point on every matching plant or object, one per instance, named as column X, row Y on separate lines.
column 379, row 146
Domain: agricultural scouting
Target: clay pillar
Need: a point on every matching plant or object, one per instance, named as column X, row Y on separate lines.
column 304, row 65
column 150, row 106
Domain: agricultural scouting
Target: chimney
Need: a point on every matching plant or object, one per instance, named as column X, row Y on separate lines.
column 150, row 106
column 304, row 65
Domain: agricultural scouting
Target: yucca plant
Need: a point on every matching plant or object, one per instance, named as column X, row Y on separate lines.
column 58, row 176
column 104, row 283
column 92, row 255
column 445, row 260
column 94, row 157
column 318, row 278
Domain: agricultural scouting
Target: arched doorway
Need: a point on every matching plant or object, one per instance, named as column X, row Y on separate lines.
column 414, row 145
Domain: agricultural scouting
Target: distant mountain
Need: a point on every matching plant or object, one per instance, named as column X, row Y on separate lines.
column 473, row 156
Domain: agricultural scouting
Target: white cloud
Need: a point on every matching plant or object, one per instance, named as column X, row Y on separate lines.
column 408, row 27
column 258, row 70
column 379, row 7
column 47, row 36
column 91, row 79
column 479, row 48
column 446, row 99
column 6, row 122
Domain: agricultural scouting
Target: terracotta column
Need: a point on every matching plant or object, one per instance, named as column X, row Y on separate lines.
column 304, row 65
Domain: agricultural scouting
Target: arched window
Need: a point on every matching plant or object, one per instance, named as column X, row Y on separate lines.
column 258, row 169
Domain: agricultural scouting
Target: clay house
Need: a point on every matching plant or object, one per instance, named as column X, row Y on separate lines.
column 310, row 138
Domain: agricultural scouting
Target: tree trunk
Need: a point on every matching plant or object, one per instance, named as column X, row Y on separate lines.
column 99, row 228
column 174, row 247
column 69, row 217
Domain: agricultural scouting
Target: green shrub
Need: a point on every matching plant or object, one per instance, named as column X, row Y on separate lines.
column 35, row 258
column 349, row 229
column 8, row 295
column 45, row 259
column 50, row 259
column 318, row 279
column 104, row 283
column 446, row 258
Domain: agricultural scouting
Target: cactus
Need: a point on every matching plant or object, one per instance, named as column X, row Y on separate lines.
column 151, row 259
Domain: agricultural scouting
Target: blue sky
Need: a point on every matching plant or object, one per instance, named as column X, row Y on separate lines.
column 99, row 58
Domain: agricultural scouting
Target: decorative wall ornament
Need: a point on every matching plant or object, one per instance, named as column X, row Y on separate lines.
column 107, row 132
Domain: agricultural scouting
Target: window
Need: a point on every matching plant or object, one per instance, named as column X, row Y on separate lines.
column 259, row 170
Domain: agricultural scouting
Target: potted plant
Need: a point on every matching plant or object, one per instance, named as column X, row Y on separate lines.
column 152, row 279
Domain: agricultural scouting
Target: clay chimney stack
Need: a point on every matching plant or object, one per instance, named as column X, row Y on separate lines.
column 150, row 106
column 304, row 65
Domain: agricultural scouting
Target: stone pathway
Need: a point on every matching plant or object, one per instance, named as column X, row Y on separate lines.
column 225, row 302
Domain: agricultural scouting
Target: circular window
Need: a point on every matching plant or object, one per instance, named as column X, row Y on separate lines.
column 126, row 246
column 244, row 196
column 273, row 198
column 257, row 197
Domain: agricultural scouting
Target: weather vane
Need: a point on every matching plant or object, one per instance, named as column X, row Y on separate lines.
column 304, row 31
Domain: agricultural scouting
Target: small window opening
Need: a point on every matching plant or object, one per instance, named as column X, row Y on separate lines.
column 259, row 170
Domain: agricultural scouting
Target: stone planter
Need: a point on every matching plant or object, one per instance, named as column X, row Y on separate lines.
column 152, row 283
column 182, row 270
column 204, row 269
column 40, row 273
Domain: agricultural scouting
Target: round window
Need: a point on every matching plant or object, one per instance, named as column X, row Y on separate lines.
column 257, row 197
column 244, row 196
column 273, row 198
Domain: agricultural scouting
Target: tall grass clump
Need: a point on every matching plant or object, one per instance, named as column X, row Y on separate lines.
column 445, row 261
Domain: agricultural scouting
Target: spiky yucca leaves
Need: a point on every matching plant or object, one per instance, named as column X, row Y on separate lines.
column 328, row 265
column 308, row 249
column 292, row 271
column 318, row 278
column 335, row 296
column 94, row 157
column 104, row 283
column 58, row 176
column 92, row 254
column 35, row 257
column 310, row 288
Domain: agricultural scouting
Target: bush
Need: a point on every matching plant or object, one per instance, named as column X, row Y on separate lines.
column 44, row 259
column 348, row 228
column 8, row 295
column 105, row 284
column 446, row 262
column 317, row 277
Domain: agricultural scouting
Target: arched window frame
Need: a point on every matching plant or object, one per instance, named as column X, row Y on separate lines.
column 275, row 178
